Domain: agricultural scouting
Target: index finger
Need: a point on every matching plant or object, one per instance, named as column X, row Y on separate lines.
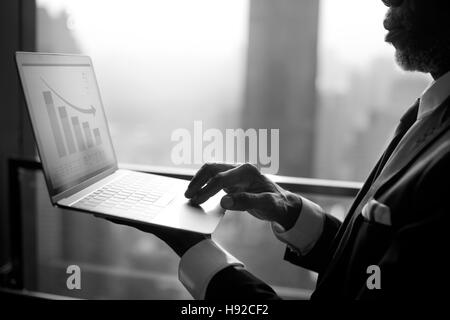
column 227, row 179
column 206, row 172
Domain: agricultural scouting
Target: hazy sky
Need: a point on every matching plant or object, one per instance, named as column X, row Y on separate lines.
column 150, row 42
column 144, row 23
column 353, row 29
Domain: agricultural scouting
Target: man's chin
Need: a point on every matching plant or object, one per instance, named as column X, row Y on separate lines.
column 416, row 60
column 405, row 61
column 415, row 52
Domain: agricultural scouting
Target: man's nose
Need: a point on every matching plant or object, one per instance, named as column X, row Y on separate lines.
column 393, row 3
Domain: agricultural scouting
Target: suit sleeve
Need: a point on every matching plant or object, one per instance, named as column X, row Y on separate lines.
column 317, row 257
column 308, row 243
column 238, row 284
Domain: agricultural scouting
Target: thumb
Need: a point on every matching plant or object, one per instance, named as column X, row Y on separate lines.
column 246, row 201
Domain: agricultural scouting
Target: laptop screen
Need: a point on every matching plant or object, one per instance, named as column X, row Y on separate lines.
column 67, row 117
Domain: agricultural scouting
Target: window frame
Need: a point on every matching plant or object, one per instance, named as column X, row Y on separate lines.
column 15, row 278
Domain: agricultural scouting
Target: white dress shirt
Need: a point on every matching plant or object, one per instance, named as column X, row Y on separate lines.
column 201, row 262
column 434, row 95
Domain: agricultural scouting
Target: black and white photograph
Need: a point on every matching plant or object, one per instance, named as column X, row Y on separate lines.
column 225, row 158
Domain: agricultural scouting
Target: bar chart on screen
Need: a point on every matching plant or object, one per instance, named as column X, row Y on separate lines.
column 68, row 119
column 70, row 133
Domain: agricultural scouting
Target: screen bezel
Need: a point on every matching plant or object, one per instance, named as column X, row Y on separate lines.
column 57, row 194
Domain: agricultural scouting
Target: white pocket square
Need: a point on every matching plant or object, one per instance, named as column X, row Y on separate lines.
column 377, row 212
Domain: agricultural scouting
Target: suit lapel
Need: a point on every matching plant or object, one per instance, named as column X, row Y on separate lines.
column 432, row 127
column 344, row 232
column 405, row 123
column 408, row 119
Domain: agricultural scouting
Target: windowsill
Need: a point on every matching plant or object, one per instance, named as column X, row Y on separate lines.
column 323, row 187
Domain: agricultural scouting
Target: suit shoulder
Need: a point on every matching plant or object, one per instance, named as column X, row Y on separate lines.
column 436, row 170
column 439, row 152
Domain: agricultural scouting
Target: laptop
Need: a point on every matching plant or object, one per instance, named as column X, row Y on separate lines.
column 77, row 154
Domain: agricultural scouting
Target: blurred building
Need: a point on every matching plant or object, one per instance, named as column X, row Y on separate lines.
column 281, row 72
column 356, row 121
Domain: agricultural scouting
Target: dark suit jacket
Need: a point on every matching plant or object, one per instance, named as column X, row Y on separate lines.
column 412, row 253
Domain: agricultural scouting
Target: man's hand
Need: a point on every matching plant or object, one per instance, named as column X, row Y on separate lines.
column 179, row 240
column 248, row 190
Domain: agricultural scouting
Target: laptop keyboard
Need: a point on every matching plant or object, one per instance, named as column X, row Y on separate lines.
column 133, row 193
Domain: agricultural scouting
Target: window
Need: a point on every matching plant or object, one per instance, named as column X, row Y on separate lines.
column 362, row 93
column 317, row 71
column 160, row 65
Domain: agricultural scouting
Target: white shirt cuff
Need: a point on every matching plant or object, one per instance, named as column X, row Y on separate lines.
column 200, row 263
column 307, row 230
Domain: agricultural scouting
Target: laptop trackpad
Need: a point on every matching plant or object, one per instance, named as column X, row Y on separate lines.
column 182, row 214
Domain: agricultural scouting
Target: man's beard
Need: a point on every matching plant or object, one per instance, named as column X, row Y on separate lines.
column 433, row 57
